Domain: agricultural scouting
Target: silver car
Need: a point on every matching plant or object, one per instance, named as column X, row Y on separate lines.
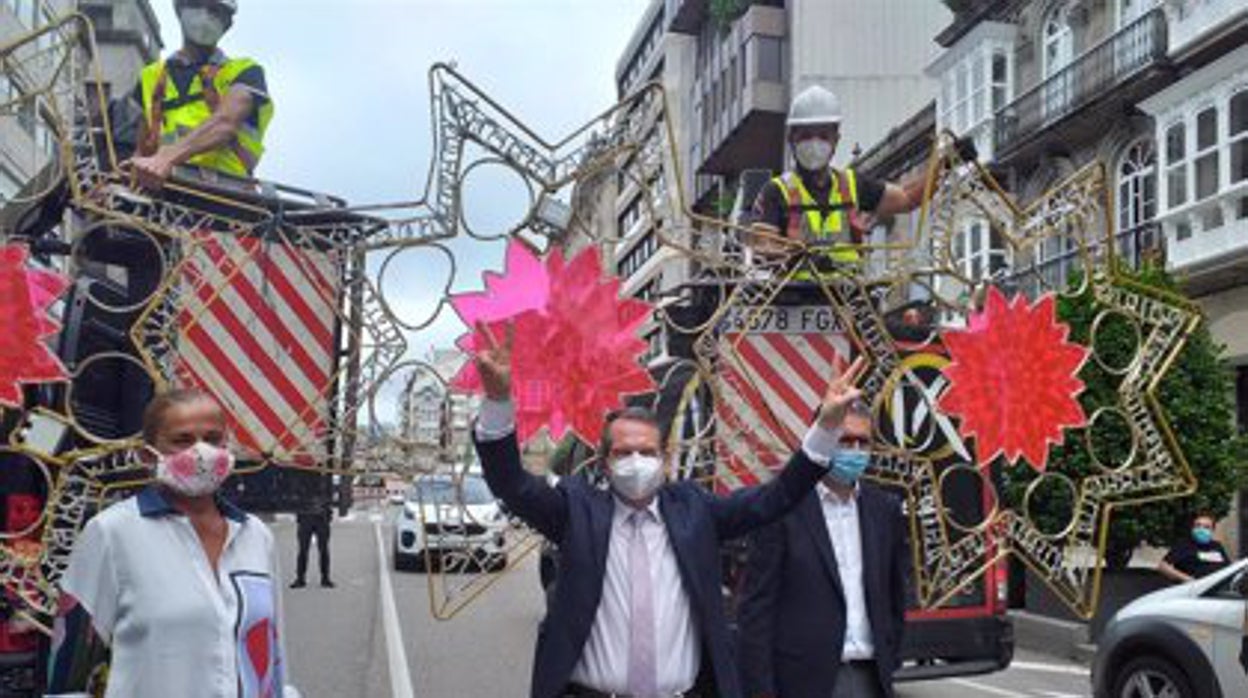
column 1185, row 641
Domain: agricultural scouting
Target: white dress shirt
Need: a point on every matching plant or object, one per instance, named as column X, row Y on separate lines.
column 604, row 661
column 840, row 514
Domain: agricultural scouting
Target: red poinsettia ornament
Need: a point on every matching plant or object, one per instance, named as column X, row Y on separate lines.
column 25, row 295
column 576, row 350
column 1014, row 380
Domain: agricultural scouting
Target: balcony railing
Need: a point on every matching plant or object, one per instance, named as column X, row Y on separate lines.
column 1133, row 247
column 1105, row 66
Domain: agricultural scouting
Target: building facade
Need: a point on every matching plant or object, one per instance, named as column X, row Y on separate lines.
column 127, row 37
column 729, row 75
column 434, row 419
column 1157, row 91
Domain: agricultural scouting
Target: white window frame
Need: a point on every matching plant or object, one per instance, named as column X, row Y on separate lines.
column 971, row 111
column 1173, row 167
column 1198, row 153
column 1063, row 39
column 1233, row 139
column 1134, row 206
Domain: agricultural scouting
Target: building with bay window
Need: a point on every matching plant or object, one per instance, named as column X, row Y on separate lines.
column 1157, row 91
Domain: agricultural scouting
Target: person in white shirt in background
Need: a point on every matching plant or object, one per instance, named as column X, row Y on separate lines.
column 824, row 606
column 174, row 589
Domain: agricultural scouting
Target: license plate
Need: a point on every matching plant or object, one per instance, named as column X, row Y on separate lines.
column 794, row 319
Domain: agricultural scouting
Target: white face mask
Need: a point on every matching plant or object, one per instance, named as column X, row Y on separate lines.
column 635, row 477
column 196, row 471
column 813, row 154
column 201, row 27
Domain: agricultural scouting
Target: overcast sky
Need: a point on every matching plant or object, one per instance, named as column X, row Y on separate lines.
column 349, row 80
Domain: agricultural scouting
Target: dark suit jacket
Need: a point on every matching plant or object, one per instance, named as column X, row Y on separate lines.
column 577, row 517
column 792, row 617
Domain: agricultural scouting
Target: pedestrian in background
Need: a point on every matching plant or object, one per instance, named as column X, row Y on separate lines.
column 1196, row 555
column 314, row 522
column 824, row 607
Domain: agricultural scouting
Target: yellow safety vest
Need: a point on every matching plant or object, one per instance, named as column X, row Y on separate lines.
column 814, row 227
column 172, row 116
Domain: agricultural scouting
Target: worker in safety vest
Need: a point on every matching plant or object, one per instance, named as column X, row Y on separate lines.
column 817, row 204
column 200, row 107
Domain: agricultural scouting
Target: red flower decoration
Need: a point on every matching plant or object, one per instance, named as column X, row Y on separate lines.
column 25, row 295
column 576, row 347
column 1013, row 380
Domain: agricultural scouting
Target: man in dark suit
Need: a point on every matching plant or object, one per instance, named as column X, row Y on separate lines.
column 824, row 604
column 637, row 609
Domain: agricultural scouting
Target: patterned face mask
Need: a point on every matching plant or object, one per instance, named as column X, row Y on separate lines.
column 196, row 471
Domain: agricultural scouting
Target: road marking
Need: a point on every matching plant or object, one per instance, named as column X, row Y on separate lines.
column 400, row 679
column 1051, row 668
column 376, row 518
column 1004, row 693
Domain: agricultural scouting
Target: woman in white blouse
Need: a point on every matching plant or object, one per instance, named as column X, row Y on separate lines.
column 175, row 589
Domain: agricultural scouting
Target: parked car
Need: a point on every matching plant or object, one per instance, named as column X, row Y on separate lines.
column 1185, row 641
column 452, row 522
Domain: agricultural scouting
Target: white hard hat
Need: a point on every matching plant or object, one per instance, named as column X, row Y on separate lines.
column 814, row 105
column 230, row 5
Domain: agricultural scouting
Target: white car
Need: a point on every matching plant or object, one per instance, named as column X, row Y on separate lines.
column 454, row 522
column 1185, row 641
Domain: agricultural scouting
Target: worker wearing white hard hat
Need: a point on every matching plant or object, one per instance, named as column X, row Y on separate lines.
column 815, row 203
column 201, row 108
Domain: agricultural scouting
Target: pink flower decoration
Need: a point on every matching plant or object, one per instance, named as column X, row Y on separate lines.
column 576, row 351
column 25, row 296
column 1014, row 380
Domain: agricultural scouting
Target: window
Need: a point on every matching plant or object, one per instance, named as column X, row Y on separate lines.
column 1059, row 50
column 1137, row 200
column 770, row 58
column 978, row 88
column 24, row 10
column 961, row 122
column 1176, row 169
column 1206, row 155
column 1059, row 42
column 972, row 90
column 1000, row 79
column 979, row 250
column 9, row 185
column 1237, row 131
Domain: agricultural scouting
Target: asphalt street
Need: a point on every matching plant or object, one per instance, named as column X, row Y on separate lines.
column 375, row 635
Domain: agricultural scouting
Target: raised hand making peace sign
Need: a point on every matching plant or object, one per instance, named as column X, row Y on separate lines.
column 842, row 392
column 494, row 362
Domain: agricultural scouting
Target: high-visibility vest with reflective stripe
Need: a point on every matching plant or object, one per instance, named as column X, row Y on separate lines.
column 807, row 222
column 173, row 116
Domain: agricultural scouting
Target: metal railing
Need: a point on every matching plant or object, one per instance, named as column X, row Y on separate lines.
column 1133, row 247
column 1103, row 67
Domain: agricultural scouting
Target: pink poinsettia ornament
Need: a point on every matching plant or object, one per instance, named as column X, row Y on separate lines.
column 1014, row 380
column 25, row 297
column 576, row 350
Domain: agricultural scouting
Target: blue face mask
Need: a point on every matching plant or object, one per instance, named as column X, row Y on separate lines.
column 848, row 464
column 1202, row 535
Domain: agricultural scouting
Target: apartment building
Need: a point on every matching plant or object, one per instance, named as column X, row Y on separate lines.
column 1157, row 90
column 128, row 37
column 729, row 72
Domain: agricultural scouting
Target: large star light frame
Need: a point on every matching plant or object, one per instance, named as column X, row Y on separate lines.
column 634, row 143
